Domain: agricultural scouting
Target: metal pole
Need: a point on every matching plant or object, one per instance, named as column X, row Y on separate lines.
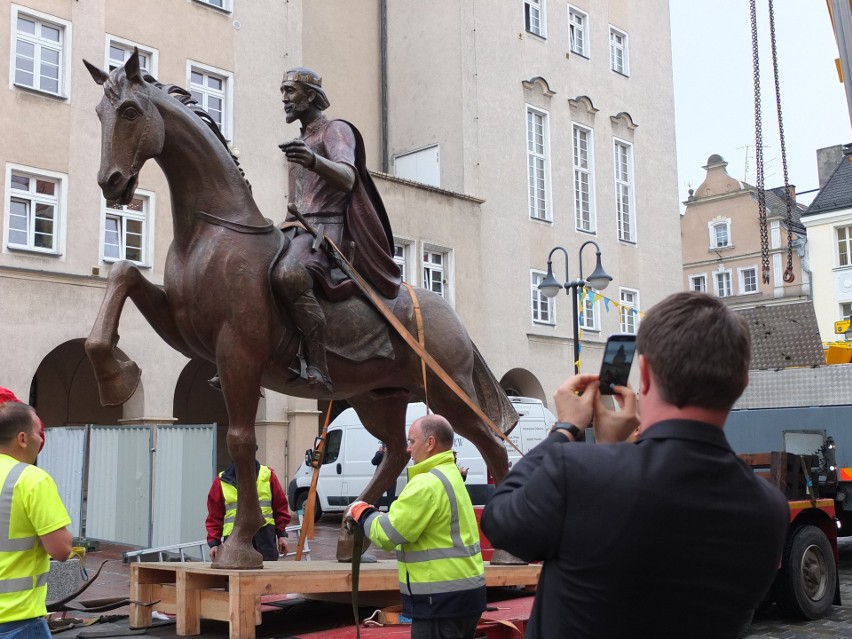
column 573, row 288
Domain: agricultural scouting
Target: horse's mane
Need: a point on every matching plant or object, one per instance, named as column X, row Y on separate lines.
column 185, row 98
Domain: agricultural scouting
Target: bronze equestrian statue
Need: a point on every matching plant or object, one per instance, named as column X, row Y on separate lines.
column 235, row 285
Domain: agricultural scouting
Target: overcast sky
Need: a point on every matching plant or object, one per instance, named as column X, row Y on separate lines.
column 714, row 95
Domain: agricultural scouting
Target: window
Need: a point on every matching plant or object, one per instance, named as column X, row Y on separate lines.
column 119, row 50
column 698, row 283
column 720, row 234
column 723, row 283
column 846, row 310
column 543, row 307
column 41, row 45
column 844, row 246
column 34, row 205
column 537, row 143
column 629, row 310
column 534, row 17
column 589, row 312
column 583, row 187
column 577, row 31
column 400, row 256
column 626, row 217
column 421, row 166
column 435, row 271
column 211, row 88
column 219, row 4
column 748, row 280
column 618, row 58
column 126, row 229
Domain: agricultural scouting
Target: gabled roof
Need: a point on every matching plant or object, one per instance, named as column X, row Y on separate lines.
column 783, row 336
column 837, row 192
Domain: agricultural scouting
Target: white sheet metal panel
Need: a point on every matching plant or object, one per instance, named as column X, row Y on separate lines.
column 118, row 506
column 63, row 457
column 184, row 468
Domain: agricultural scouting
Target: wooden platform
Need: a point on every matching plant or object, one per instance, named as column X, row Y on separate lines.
column 194, row 591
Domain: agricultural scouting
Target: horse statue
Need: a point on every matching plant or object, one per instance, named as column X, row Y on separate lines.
column 218, row 304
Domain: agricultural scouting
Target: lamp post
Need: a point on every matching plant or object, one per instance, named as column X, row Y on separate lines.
column 550, row 287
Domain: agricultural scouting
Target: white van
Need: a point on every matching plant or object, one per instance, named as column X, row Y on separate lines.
column 347, row 467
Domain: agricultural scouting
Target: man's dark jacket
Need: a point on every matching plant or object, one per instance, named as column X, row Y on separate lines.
column 672, row 536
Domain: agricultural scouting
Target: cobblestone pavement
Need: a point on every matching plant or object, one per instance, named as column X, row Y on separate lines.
column 838, row 623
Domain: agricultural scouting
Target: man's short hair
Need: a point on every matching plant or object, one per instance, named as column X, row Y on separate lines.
column 438, row 427
column 698, row 350
column 15, row 418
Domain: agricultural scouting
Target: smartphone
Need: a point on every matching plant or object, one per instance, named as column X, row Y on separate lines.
column 618, row 356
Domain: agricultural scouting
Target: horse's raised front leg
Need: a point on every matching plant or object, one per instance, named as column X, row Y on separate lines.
column 384, row 418
column 118, row 379
column 240, row 376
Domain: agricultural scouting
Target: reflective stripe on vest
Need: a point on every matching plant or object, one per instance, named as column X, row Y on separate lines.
column 264, row 494
column 8, row 544
column 20, row 544
column 19, row 584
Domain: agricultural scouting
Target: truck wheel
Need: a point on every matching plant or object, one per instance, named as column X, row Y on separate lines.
column 302, row 498
column 808, row 577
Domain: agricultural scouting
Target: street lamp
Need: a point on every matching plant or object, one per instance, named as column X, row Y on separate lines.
column 550, row 287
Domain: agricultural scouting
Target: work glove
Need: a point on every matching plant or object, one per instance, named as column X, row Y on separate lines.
column 354, row 513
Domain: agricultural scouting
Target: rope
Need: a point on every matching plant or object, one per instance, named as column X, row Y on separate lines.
column 421, row 338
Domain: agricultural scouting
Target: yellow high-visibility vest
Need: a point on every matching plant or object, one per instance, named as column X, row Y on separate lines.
column 264, row 495
column 24, row 563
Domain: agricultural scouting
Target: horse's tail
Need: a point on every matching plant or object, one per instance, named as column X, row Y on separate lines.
column 491, row 396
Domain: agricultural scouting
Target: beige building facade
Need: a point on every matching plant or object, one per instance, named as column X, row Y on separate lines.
column 497, row 130
column 721, row 240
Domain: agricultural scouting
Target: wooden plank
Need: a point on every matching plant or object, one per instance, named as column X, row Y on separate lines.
column 140, row 616
column 214, row 605
column 243, row 607
column 190, row 587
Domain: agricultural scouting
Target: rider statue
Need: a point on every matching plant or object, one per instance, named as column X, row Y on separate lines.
column 330, row 186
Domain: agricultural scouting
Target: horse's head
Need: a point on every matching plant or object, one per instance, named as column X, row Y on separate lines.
column 132, row 128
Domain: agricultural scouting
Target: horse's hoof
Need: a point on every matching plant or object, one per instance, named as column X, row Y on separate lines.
column 503, row 558
column 234, row 557
column 116, row 388
column 344, row 546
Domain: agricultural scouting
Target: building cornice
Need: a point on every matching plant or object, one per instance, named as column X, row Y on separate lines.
column 427, row 187
column 54, row 277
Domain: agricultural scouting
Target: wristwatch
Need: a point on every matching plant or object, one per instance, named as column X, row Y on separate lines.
column 578, row 434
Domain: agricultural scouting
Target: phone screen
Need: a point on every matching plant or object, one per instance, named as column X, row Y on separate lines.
column 618, row 356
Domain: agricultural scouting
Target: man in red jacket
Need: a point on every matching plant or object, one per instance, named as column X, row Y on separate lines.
column 271, row 539
column 8, row 396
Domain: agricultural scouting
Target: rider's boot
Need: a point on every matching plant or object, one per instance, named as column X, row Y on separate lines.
column 310, row 319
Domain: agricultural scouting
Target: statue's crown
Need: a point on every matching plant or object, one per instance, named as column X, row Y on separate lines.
column 305, row 76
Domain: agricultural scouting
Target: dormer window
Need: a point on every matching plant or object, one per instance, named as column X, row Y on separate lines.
column 720, row 234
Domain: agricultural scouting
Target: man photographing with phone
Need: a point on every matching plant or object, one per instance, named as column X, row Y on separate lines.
column 670, row 536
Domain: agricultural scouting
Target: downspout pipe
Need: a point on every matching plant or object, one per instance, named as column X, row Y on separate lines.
column 383, row 27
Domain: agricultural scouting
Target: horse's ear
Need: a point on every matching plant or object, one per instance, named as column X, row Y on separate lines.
column 131, row 67
column 98, row 75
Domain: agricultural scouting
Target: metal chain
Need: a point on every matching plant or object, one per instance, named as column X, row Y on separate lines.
column 758, row 147
column 789, row 276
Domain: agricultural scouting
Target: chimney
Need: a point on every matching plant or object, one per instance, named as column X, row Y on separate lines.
column 827, row 161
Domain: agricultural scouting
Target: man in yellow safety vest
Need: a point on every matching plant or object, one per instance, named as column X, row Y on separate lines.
column 433, row 527
column 33, row 525
column 271, row 539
